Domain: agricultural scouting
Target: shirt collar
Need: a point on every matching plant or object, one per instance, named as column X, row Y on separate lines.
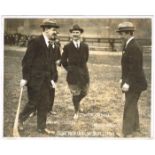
column 46, row 39
column 76, row 42
column 129, row 40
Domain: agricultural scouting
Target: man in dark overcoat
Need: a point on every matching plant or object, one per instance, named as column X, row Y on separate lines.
column 39, row 75
column 133, row 80
column 56, row 53
column 74, row 60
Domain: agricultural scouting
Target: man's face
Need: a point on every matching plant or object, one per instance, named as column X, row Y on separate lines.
column 76, row 35
column 124, row 36
column 51, row 33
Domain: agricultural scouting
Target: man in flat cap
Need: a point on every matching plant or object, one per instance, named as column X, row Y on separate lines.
column 133, row 80
column 74, row 60
column 39, row 75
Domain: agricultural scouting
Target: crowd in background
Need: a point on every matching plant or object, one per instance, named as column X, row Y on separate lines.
column 22, row 40
column 17, row 39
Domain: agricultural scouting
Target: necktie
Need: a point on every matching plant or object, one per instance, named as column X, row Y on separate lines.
column 77, row 45
column 49, row 48
column 51, row 44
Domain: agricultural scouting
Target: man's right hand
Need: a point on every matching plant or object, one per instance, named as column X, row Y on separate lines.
column 23, row 83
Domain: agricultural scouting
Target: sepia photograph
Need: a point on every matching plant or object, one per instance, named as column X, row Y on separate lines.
column 77, row 76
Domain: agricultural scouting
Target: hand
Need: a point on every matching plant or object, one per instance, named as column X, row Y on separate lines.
column 58, row 62
column 23, row 83
column 125, row 87
column 53, row 84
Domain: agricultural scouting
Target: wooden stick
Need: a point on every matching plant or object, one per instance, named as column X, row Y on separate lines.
column 15, row 127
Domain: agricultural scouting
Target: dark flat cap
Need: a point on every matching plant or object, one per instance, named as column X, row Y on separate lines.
column 49, row 23
column 125, row 26
column 77, row 28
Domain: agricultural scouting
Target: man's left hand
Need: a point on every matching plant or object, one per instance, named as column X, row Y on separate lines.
column 58, row 62
column 53, row 84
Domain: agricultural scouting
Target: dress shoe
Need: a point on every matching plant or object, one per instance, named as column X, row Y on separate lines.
column 137, row 130
column 21, row 126
column 46, row 131
column 81, row 110
column 128, row 136
column 76, row 116
column 52, row 113
column 137, row 133
column 33, row 114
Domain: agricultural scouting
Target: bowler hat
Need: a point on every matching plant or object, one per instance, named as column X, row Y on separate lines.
column 125, row 26
column 49, row 23
column 77, row 28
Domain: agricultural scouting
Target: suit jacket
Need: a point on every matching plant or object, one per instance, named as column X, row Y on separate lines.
column 75, row 62
column 38, row 63
column 132, row 67
column 56, row 52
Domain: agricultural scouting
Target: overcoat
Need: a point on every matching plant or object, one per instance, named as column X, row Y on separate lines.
column 74, row 60
column 132, row 67
column 38, row 68
column 133, row 74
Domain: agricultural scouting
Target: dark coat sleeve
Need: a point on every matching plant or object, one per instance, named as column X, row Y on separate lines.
column 57, row 53
column 58, row 58
column 134, row 64
column 54, row 72
column 28, row 59
column 64, row 58
column 87, row 53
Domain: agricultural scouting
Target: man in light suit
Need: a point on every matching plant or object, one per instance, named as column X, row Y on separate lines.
column 39, row 75
column 133, row 80
column 74, row 60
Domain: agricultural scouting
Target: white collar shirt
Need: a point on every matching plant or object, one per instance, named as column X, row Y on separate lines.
column 129, row 41
column 76, row 43
column 46, row 39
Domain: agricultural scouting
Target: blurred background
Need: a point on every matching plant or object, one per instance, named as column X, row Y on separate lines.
column 99, row 33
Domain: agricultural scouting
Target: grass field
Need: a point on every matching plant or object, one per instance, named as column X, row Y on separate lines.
column 103, row 110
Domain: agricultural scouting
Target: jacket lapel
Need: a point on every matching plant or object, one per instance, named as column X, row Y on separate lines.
column 45, row 48
column 129, row 44
column 72, row 45
column 77, row 52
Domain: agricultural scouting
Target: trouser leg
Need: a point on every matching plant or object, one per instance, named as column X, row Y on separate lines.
column 78, row 94
column 43, row 105
column 30, row 106
column 131, row 116
column 28, row 109
column 136, row 125
column 76, row 102
column 41, row 117
column 52, row 99
column 81, row 96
